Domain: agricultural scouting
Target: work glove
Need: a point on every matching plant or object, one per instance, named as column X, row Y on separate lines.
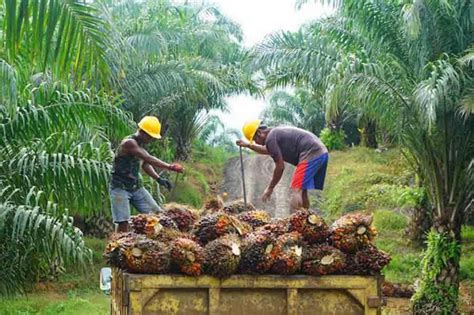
column 176, row 167
column 165, row 183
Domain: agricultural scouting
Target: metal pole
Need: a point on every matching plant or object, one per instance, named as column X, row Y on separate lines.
column 243, row 176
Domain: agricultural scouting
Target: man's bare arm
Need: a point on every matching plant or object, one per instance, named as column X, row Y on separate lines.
column 277, row 173
column 258, row 148
column 130, row 146
column 150, row 171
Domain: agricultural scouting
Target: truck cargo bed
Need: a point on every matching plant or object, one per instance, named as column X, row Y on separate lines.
column 134, row 294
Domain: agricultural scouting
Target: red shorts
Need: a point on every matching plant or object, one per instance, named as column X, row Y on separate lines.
column 310, row 174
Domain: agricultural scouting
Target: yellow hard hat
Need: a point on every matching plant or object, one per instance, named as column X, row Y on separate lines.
column 250, row 128
column 151, row 125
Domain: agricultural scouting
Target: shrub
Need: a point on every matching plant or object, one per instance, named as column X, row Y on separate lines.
column 333, row 140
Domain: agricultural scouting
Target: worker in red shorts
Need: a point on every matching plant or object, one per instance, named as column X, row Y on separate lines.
column 292, row 145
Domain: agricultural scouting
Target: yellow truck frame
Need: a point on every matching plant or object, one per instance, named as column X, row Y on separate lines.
column 140, row 294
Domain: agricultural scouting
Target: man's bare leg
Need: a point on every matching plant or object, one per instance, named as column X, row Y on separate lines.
column 305, row 199
column 296, row 201
column 122, row 227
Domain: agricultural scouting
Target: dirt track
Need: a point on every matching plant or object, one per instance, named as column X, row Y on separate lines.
column 258, row 173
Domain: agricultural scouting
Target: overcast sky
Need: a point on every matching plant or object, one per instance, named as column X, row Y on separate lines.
column 259, row 18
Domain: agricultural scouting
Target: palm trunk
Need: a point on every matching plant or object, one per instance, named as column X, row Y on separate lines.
column 439, row 285
column 420, row 224
column 369, row 134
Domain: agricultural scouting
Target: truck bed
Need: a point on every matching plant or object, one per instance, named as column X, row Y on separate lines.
column 244, row 294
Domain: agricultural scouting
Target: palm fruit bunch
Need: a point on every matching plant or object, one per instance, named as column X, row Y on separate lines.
column 183, row 216
column 277, row 227
column 215, row 225
column 287, row 253
column 352, row 232
column 222, row 256
column 146, row 223
column 118, row 243
column 310, row 225
column 257, row 253
column 187, row 256
column 212, row 205
column 147, row 256
column 238, row 206
column 368, row 261
column 321, row 260
column 255, row 218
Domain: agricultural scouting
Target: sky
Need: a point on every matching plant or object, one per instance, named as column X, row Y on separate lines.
column 259, row 18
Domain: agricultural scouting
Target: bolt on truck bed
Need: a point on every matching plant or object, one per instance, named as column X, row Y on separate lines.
column 134, row 294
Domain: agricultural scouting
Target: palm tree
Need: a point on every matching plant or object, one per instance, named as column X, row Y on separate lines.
column 175, row 61
column 300, row 109
column 55, row 129
column 410, row 66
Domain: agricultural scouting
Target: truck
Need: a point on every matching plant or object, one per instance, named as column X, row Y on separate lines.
column 173, row 294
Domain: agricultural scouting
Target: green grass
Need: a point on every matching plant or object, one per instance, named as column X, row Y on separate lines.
column 75, row 292
column 361, row 179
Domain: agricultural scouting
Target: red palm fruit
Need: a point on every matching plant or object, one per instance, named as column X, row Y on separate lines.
column 222, row 256
column 218, row 224
column 238, row 206
column 287, row 253
column 321, row 260
column 147, row 256
column 182, row 215
column 255, row 218
column 310, row 225
column 257, row 253
column 352, row 232
column 187, row 256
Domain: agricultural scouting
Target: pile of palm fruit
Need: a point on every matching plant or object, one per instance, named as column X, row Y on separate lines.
column 221, row 240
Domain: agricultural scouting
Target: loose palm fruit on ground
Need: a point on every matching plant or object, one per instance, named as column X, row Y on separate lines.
column 257, row 253
column 310, row 225
column 187, row 256
column 215, row 225
column 277, row 227
column 352, row 232
column 183, row 216
column 321, row 260
column 147, row 256
column 212, row 205
column 255, row 218
column 118, row 243
column 287, row 253
column 397, row 290
column 238, row 206
column 222, row 256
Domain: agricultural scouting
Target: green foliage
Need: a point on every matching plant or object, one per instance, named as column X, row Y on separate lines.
column 434, row 295
column 21, row 226
column 332, row 139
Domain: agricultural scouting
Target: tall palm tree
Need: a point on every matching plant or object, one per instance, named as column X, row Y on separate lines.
column 409, row 64
column 175, row 61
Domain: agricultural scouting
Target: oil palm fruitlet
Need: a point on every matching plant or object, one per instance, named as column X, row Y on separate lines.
column 222, row 256
column 255, row 218
column 310, row 225
column 352, row 232
column 147, row 256
column 187, row 256
column 238, row 206
column 182, row 215
column 287, row 253
column 321, row 260
column 215, row 225
column 257, row 253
